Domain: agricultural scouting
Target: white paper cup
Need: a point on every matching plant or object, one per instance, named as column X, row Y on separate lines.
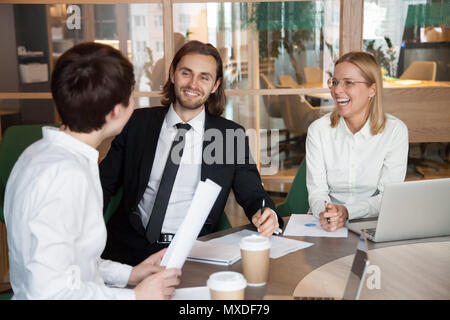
column 255, row 252
column 226, row 285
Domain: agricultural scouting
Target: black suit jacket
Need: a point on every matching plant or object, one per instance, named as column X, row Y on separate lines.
column 129, row 164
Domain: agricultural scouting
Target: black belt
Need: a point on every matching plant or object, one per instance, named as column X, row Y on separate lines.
column 165, row 238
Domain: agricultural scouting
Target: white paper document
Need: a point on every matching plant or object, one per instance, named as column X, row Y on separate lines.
column 306, row 225
column 204, row 198
column 194, row 293
column 279, row 246
column 214, row 253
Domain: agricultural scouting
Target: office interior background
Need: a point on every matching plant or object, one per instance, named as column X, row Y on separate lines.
column 277, row 58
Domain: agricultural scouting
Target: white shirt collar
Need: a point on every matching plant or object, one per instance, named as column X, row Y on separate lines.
column 197, row 123
column 343, row 129
column 55, row 135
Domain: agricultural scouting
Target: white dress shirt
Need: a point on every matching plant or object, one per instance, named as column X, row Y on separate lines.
column 352, row 169
column 188, row 175
column 54, row 217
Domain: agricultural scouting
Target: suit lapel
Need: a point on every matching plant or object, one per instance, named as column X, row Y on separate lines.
column 206, row 170
column 211, row 171
column 150, row 142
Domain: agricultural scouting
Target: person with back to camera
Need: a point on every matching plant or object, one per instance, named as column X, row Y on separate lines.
column 54, row 201
column 354, row 151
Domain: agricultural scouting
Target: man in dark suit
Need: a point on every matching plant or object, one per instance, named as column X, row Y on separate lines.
column 163, row 152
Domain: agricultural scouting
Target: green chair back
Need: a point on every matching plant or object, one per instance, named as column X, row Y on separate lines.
column 15, row 140
column 7, row 295
column 297, row 198
column 113, row 205
column 224, row 223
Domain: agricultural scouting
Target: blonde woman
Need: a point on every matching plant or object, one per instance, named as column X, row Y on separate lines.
column 354, row 151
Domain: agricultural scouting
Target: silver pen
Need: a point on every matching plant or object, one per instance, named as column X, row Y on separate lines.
column 326, row 204
column 263, row 206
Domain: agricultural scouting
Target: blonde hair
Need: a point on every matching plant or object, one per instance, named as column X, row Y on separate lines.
column 371, row 72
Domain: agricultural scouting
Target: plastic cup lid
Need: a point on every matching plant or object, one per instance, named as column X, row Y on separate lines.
column 226, row 281
column 254, row 243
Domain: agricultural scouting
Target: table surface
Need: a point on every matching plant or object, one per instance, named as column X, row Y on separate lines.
column 286, row 273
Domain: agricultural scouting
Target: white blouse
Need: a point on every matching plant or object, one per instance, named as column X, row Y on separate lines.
column 54, row 218
column 352, row 169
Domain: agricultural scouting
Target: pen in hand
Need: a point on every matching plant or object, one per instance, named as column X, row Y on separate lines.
column 263, row 207
column 326, row 209
column 263, row 204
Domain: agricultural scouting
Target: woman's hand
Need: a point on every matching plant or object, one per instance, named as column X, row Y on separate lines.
column 159, row 286
column 146, row 268
column 333, row 217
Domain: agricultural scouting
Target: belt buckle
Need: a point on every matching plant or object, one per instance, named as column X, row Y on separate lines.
column 165, row 238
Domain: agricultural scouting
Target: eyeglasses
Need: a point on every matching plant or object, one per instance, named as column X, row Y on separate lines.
column 333, row 83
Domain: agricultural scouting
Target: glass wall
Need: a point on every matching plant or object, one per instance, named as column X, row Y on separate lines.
column 399, row 33
column 411, row 40
column 270, row 38
column 277, row 55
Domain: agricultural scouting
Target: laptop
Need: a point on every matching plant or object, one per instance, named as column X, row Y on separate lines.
column 355, row 280
column 410, row 210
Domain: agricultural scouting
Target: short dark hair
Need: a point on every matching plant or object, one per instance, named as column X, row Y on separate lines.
column 217, row 100
column 87, row 82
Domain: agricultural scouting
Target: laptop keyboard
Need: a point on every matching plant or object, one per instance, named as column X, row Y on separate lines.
column 371, row 231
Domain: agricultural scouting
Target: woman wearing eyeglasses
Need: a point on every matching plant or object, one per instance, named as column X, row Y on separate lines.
column 354, row 151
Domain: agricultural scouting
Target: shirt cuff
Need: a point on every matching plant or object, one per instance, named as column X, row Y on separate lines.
column 356, row 211
column 115, row 273
column 317, row 207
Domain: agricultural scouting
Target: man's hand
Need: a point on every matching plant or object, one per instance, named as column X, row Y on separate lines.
column 333, row 217
column 267, row 223
column 146, row 268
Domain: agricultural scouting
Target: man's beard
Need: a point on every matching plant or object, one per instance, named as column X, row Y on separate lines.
column 196, row 105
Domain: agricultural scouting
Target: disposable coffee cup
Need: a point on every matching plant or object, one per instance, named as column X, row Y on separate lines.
column 255, row 259
column 226, row 285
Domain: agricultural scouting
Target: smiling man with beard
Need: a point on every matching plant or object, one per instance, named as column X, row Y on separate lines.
column 164, row 152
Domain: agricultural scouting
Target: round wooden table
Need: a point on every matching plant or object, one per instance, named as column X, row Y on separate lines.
column 411, row 271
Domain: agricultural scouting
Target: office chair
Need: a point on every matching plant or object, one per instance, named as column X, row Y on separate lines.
column 224, row 223
column 287, row 81
column 420, row 70
column 6, row 295
column 313, row 75
column 273, row 105
column 297, row 198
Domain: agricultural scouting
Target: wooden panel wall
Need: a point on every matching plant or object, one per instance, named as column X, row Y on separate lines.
column 428, row 119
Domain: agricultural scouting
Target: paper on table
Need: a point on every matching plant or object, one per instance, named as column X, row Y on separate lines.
column 214, row 253
column 279, row 246
column 204, row 197
column 194, row 293
column 306, row 225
